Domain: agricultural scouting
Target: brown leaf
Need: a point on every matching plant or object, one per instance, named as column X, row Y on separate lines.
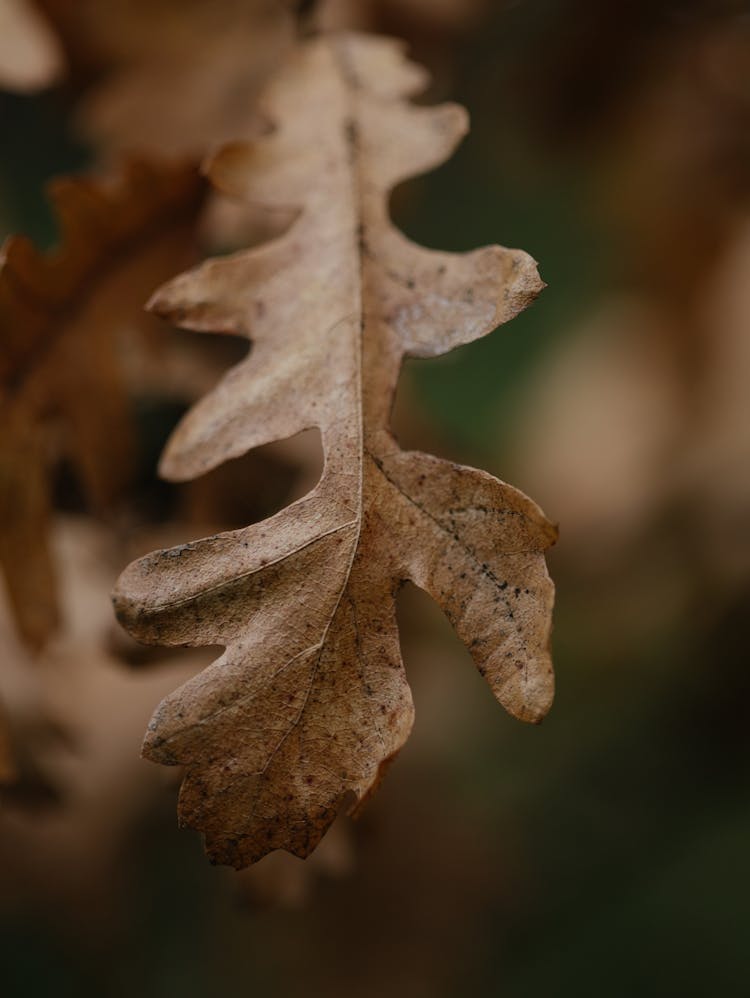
column 187, row 73
column 30, row 54
column 309, row 702
column 61, row 374
column 182, row 77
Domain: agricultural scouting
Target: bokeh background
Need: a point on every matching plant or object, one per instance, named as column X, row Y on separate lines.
column 604, row 852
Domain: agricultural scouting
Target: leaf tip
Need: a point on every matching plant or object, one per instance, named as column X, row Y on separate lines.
column 164, row 303
column 154, row 748
column 225, row 167
column 172, row 466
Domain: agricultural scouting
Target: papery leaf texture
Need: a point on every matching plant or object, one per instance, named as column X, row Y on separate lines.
column 309, row 702
column 62, row 384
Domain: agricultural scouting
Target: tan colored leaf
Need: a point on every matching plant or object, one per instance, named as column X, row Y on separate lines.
column 30, row 54
column 309, row 702
column 61, row 373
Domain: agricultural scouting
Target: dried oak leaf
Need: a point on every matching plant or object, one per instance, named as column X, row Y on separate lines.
column 309, row 702
column 61, row 373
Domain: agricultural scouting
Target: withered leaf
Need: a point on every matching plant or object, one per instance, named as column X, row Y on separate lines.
column 61, row 373
column 309, row 702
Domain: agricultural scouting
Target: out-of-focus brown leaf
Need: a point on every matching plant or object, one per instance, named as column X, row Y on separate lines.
column 607, row 475
column 180, row 78
column 62, row 389
column 661, row 449
column 284, row 881
column 186, row 73
column 654, row 361
column 309, row 703
column 69, row 857
column 30, row 54
column 31, row 784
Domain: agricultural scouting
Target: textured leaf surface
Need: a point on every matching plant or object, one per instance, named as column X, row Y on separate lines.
column 309, row 702
column 61, row 375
